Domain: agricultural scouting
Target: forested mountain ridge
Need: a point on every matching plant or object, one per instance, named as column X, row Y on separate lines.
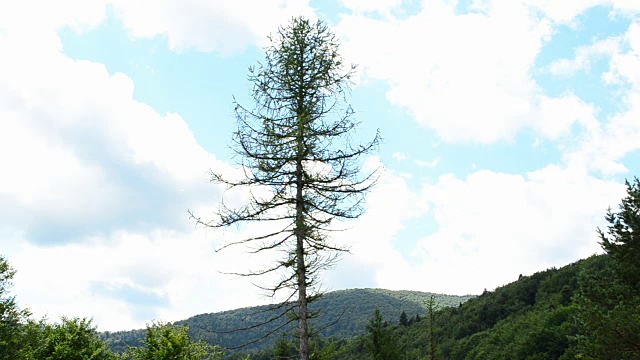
column 349, row 309
column 540, row 316
column 527, row 319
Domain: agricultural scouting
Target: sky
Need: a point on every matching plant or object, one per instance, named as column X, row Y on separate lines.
column 509, row 128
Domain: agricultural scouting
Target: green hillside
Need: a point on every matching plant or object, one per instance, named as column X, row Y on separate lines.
column 349, row 309
column 536, row 317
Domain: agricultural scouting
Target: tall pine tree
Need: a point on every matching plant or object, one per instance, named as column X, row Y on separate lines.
column 294, row 147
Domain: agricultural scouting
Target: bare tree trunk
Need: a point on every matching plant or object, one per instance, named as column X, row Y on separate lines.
column 302, row 299
column 432, row 345
column 302, row 269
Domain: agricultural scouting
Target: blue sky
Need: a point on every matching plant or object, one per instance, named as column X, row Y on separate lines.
column 509, row 128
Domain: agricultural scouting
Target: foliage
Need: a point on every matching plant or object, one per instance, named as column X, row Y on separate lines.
column 170, row 342
column 12, row 318
column 531, row 318
column 69, row 339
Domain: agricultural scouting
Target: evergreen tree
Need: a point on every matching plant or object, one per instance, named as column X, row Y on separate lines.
column 623, row 239
column 379, row 342
column 432, row 307
column 283, row 348
column 403, row 318
column 294, row 147
column 608, row 300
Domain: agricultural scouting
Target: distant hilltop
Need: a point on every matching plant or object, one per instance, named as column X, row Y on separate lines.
column 349, row 309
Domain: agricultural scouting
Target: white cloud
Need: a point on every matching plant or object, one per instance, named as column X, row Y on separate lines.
column 175, row 275
column 95, row 189
column 555, row 117
column 382, row 7
column 625, row 66
column 603, row 145
column 400, row 156
column 473, row 84
column 584, row 55
column 429, row 164
column 44, row 16
column 476, row 83
column 494, row 226
column 81, row 155
column 390, row 206
column 222, row 26
column 562, row 12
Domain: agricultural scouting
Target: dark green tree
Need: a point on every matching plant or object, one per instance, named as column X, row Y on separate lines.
column 294, row 148
column 379, row 342
column 404, row 321
column 12, row 318
column 608, row 300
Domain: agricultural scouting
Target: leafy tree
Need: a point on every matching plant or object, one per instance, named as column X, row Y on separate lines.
column 295, row 151
column 170, row 342
column 379, row 342
column 12, row 318
column 70, row 339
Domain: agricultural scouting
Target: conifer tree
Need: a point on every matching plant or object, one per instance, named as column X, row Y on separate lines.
column 379, row 342
column 404, row 321
column 623, row 239
column 294, row 147
column 608, row 299
column 432, row 307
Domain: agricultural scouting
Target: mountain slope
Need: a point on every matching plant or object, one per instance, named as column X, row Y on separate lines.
column 531, row 318
column 348, row 309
